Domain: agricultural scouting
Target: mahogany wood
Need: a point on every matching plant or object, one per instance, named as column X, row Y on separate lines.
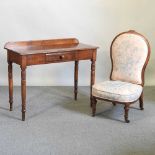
column 94, row 102
column 126, row 109
column 10, row 80
column 23, row 91
column 114, row 103
column 92, row 77
column 76, row 79
column 27, row 53
column 141, row 102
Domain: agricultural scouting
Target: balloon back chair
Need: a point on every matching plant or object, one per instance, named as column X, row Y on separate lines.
column 130, row 52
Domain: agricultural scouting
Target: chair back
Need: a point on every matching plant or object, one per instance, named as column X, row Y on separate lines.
column 130, row 52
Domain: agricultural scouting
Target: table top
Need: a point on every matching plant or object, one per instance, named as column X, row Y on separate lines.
column 47, row 46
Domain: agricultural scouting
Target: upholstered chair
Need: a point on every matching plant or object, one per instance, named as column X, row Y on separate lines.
column 130, row 52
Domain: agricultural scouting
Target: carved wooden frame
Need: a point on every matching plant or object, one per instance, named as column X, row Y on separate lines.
column 127, row 104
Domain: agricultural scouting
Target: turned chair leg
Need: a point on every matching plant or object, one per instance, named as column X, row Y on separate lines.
column 141, row 102
column 114, row 103
column 126, row 110
column 94, row 102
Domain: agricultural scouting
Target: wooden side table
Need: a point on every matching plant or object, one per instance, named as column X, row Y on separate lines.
column 27, row 53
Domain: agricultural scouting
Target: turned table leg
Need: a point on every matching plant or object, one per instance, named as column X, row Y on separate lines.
column 76, row 79
column 94, row 102
column 23, row 91
column 92, row 79
column 10, row 80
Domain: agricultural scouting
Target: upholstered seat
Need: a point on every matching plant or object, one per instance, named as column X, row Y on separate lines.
column 129, row 52
column 117, row 91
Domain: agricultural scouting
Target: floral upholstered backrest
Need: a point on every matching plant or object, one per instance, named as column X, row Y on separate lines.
column 129, row 54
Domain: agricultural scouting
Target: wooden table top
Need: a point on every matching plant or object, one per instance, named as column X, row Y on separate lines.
column 47, row 46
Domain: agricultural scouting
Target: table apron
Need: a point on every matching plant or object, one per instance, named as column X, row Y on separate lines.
column 58, row 57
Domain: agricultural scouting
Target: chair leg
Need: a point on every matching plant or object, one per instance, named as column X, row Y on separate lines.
column 126, row 110
column 141, row 102
column 94, row 102
column 114, row 103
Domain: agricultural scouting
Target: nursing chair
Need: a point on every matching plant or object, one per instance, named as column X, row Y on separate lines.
column 129, row 52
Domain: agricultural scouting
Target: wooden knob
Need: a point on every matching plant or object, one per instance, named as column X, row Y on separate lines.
column 62, row 56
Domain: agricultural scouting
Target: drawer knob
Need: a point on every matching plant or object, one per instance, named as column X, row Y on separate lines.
column 62, row 56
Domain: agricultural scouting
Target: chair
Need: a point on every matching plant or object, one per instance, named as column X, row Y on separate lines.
column 129, row 52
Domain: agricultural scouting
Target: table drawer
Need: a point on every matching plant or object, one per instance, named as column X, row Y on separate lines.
column 52, row 57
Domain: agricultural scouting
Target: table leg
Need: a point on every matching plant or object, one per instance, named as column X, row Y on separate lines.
column 10, row 80
column 23, row 91
column 92, row 79
column 76, row 79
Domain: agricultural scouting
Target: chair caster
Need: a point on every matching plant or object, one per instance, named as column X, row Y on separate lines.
column 127, row 121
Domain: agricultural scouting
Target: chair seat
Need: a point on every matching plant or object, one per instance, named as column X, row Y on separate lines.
column 117, row 91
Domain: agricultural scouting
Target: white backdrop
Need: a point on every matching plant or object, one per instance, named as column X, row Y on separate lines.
column 93, row 22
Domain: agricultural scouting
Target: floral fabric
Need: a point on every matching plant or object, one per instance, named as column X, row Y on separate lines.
column 117, row 91
column 129, row 53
